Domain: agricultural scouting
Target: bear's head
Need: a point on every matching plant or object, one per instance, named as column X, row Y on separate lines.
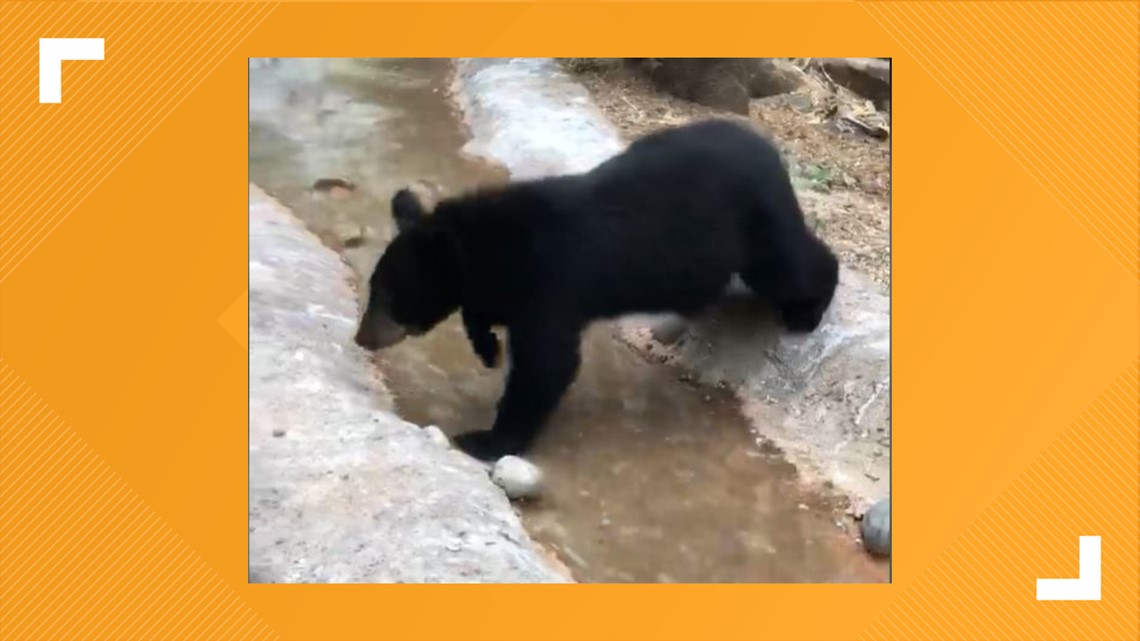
column 805, row 298
column 415, row 285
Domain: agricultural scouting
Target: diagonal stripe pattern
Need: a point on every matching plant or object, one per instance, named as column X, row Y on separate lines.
column 1054, row 84
column 83, row 556
column 983, row 586
column 54, row 156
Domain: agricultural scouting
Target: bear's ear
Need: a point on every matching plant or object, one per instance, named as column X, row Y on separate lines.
column 407, row 210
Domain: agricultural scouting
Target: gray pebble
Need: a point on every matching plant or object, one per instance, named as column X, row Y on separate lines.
column 876, row 528
column 519, row 478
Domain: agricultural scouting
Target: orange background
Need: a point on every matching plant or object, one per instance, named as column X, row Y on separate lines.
column 123, row 277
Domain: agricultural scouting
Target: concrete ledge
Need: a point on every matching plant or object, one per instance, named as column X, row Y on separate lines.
column 342, row 490
column 824, row 398
column 529, row 115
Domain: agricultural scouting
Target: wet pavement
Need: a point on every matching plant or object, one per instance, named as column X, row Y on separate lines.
column 649, row 478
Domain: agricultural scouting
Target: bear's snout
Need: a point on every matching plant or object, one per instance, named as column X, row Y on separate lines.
column 366, row 339
column 374, row 334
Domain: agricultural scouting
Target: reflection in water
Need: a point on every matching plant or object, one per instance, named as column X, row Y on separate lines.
column 649, row 478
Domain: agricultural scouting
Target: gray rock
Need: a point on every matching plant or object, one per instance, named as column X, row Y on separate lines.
column 868, row 77
column 773, row 76
column 519, row 478
column 721, row 83
column 876, row 528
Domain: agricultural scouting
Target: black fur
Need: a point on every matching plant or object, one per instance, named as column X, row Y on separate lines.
column 406, row 209
column 661, row 227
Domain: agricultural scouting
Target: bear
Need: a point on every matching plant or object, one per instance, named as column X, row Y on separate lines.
column 661, row 227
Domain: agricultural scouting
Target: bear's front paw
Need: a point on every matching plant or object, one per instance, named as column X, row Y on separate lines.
column 485, row 446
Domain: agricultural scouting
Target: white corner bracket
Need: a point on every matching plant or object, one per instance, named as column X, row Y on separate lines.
column 53, row 51
column 1085, row 587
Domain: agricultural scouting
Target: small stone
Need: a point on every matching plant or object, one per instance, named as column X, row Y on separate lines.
column 876, row 528
column 436, row 435
column 519, row 478
column 278, row 433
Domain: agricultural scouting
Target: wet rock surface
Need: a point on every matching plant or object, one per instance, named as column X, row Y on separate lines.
column 823, row 397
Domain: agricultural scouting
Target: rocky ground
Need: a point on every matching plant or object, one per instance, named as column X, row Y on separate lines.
column 842, row 172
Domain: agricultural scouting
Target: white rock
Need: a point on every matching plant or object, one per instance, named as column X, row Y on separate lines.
column 519, row 478
column 436, row 435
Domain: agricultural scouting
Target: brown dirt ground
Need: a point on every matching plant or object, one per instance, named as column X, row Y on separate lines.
column 843, row 178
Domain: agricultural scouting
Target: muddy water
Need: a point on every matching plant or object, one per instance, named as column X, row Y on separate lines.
column 649, row 478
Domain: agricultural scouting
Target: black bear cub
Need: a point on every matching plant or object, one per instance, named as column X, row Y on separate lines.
column 661, row 227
